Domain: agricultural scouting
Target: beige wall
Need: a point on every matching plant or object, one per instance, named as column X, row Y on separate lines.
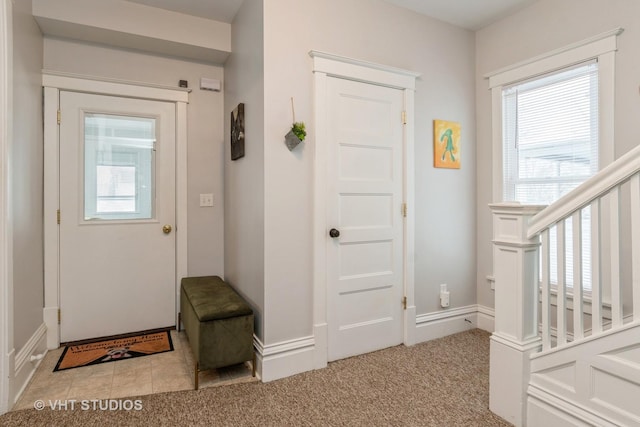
column 26, row 169
column 244, row 178
column 376, row 31
column 543, row 27
column 205, row 127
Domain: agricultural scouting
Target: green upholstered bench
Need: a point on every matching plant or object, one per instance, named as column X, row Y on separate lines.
column 218, row 324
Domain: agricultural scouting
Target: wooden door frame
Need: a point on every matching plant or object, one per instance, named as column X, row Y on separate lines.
column 54, row 83
column 324, row 66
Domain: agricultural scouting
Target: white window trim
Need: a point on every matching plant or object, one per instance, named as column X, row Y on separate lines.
column 601, row 47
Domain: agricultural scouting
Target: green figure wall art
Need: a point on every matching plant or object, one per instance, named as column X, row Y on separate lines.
column 446, row 144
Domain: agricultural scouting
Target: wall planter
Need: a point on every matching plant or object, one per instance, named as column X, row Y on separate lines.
column 295, row 136
column 297, row 133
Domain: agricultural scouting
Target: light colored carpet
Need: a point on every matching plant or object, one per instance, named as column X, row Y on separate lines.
column 443, row 382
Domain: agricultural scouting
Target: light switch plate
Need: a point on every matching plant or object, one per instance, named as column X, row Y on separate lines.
column 206, row 200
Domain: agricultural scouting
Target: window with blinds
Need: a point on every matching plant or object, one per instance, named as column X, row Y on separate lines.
column 550, row 143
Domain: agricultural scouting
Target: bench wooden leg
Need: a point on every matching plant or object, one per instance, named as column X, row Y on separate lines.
column 253, row 365
column 196, row 372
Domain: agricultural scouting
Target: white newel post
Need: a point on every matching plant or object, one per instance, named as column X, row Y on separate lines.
column 515, row 263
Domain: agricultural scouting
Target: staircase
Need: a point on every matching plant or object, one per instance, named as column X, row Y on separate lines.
column 564, row 353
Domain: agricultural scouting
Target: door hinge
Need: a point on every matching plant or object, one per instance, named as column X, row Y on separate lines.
column 404, row 118
column 58, row 216
column 59, row 316
column 404, row 210
column 59, row 116
column 404, row 303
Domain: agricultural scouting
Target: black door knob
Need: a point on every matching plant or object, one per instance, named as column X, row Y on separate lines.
column 334, row 233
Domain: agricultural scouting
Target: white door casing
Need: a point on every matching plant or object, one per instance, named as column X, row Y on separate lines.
column 117, row 269
column 326, row 66
column 6, row 229
column 364, row 205
column 55, row 82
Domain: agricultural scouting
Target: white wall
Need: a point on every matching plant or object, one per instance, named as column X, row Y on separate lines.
column 205, row 128
column 244, row 178
column 375, row 31
column 131, row 25
column 26, row 166
column 542, row 27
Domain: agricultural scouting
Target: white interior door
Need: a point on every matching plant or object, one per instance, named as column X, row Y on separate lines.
column 364, row 202
column 117, row 194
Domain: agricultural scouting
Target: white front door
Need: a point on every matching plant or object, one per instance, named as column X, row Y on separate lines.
column 364, row 206
column 117, row 194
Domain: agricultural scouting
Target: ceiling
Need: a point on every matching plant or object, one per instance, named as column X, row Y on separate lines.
column 469, row 14
column 218, row 10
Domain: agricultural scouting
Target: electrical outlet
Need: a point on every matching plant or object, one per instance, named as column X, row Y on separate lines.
column 206, row 200
column 444, row 296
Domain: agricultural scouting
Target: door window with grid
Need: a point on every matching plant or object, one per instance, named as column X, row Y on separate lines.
column 119, row 167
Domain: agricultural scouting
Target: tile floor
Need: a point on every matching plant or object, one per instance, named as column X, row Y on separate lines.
column 170, row 371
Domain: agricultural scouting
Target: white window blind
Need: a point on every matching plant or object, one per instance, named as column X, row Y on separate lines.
column 550, row 143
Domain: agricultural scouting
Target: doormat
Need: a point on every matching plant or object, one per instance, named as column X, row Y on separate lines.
column 114, row 349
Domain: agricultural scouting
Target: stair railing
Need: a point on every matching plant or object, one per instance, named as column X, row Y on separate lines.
column 520, row 234
column 602, row 194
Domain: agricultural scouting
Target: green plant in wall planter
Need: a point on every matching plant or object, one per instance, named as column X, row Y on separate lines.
column 297, row 133
column 295, row 136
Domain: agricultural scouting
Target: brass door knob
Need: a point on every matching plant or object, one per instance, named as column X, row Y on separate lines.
column 166, row 229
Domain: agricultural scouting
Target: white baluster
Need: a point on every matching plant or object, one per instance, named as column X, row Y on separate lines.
column 546, row 294
column 614, row 251
column 578, row 309
column 561, row 323
column 596, row 267
column 635, row 244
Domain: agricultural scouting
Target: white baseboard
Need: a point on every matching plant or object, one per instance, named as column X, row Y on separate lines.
column 447, row 322
column 410, row 322
column 321, row 337
column 50, row 317
column 486, row 318
column 24, row 368
column 284, row 359
column 8, row 378
column 292, row 357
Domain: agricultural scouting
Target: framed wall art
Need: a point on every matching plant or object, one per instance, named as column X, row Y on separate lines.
column 446, row 144
column 237, row 132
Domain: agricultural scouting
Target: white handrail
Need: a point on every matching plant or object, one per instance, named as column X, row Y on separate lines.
column 593, row 188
